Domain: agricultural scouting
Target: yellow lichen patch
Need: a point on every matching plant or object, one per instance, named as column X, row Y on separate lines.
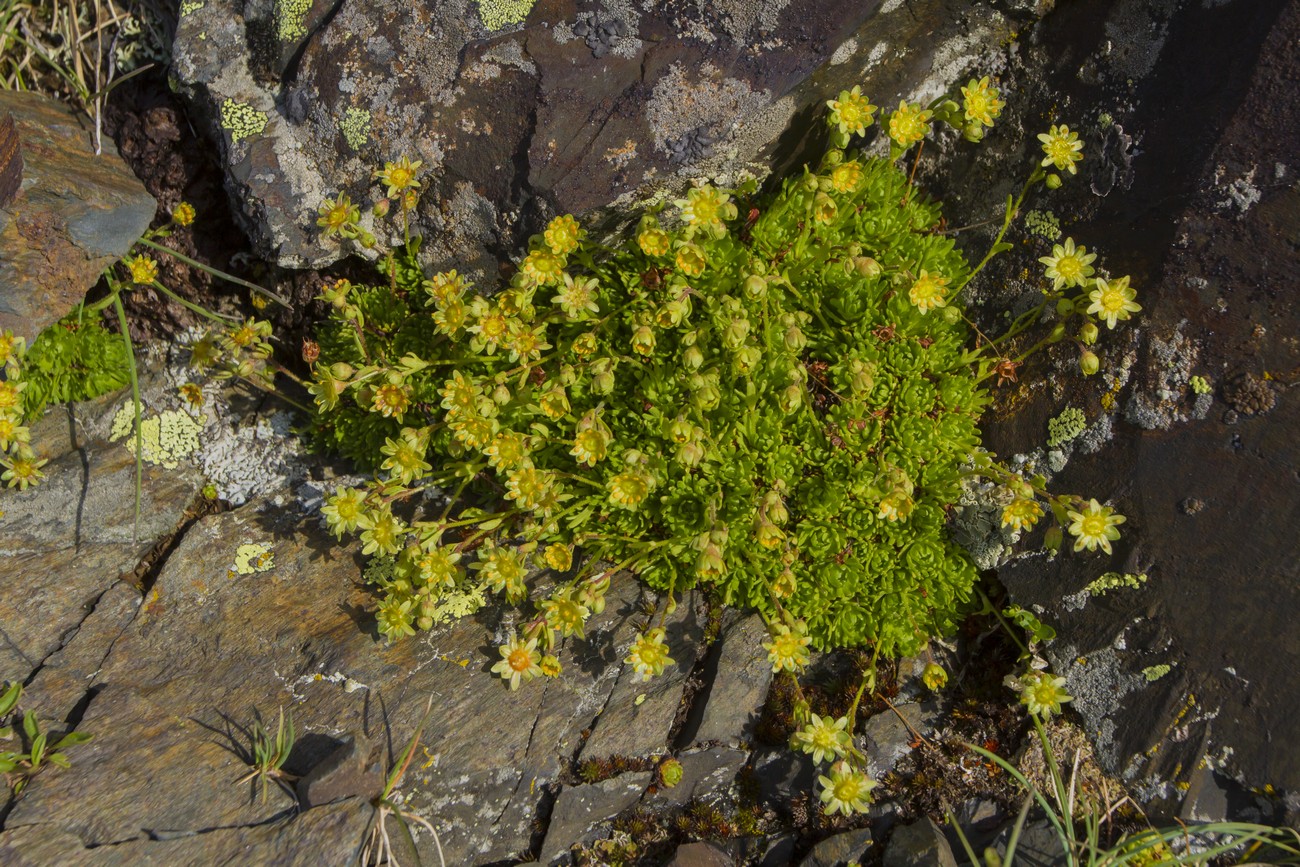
column 355, row 127
column 165, row 439
column 253, row 557
column 290, row 19
column 241, row 120
column 496, row 14
column 189, row 7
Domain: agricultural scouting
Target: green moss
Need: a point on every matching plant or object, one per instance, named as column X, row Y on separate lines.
column 241, row 120
column 1066, row 426
column 496, row 14
column 355, row 127
column 1113, row 581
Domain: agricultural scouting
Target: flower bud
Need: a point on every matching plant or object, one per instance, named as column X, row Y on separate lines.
column 809, row 183
column 1058, row 333
column 693, row 358
column 381, row 208
column 1088, row 333
column 794, row 339
column 690, row 454
column 1089, row 363
column 867, row 267
column 501, row 395
column 747, row 359
column 1064, row 307
column 755, row 287
column 737, row 330
column 707, row 395
column 310, row 350
column 1052, row 539
column 603, row 383
column 934, row 677
column 643, row 341
column 341, row 370
column 1053, row 182
column 791, row 398
column 862, row 376
column 973, row 132
column 951, row 314
column 833, row 158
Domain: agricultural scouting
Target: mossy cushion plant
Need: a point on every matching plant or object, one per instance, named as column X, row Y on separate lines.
column 768, row 396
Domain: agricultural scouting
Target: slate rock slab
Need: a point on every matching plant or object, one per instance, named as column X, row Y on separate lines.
column 211, row 650
column 76, row 213
column 567, row 107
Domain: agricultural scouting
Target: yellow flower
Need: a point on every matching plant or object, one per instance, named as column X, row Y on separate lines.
column 1068, row 265
column 446, row 285
column 704, row 209
column 558, row 557
column 507, row 450
column 851, row 112
column 22, row 471
column 846, row 791
column 405, row 456
column 394, row 619
column 928, row 292
column 542, row 266
column 528, row 486
column 788, row 649
column 1113, row 300
column 391, row 400
column 12, row 432
column 649, row 654
column 400, row 175
column 9, row 394
column 381, row 532
column 981, row 101
column 438, row 568
column 909, row 124
column 563, row 234
column 1042, row 693
column 690, row 259
column 824, row 738
column 460, row 393
column 527, row 344
column 846, row 177
column 824, row 208
column 589, row 446
column 584, row 344
column 183, row 214
column 144, row 270
column 565, row 615
column 578, row 297
column 934, row 677
column 643, row 341
column 501, row 569
column 1021, row 514
column 630, row 488
column 520, row 661
column 652, row 240
column 554, row 403
column 11, row 347
column 1094, row 527
column 339, row 217
column 1062, row 148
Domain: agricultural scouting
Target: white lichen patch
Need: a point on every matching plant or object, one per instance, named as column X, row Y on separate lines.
column 1239, row 194
column 682, row 103
column 339, row 678
column 251, row 558
column 845, row 51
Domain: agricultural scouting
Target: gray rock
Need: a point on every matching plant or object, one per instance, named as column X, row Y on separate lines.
column 1038, row 846
column 349, row 770
column 739, row 686
column 889, row 734
column 580, row 810
column 781, row 774
column 558, row 112
column 75, row 214
column 706, row 774
column 701, row 854
column 920, row 844
column 840, row 850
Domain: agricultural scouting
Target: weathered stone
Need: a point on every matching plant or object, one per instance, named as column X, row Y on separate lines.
column 75, row 214
column 1159, row 672
column 68, row 541
column 780, row 773
column 706, row 774
column 840, row 850
column 580, row 810
column 350, row 770
column 561, row 111
column 639, row 714
column 701, row 854
column 330, row 835
column 739, row 684
column 1039, row 845
column 889, row 734
column 211, row 650
column 920, row 844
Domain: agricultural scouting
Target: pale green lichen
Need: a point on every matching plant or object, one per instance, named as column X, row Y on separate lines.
column 1066, row 426
column 1043, row 224
column 290, row 19
column 241, row 120
column 496, row 14
column 165, row 439
column 1114, row 580
column 189, row 7
column 1200, row 385
column 253, row 557
column 455, row 604
column 1154, row 672
column 355, row 127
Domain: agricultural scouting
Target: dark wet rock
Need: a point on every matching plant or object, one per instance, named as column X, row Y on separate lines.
column 920, row 844
column 781, row 772
column 76, row 213
column 1159, row 673
column 580, row 811
column 588, row 110
column 888, row 736
column 840, row 850
column 979, row 820
column 706, row 775
column 738, row 688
